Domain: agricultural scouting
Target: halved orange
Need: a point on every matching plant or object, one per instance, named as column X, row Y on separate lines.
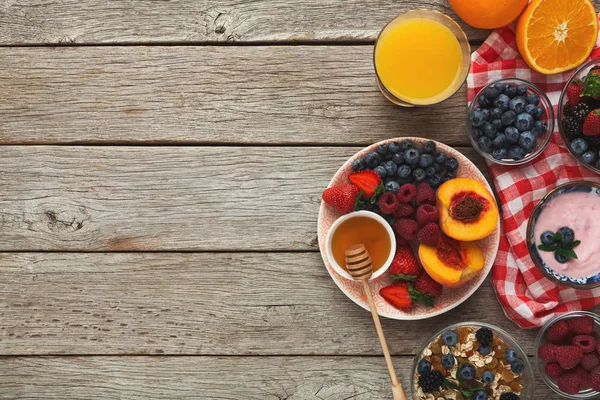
column 557, row 35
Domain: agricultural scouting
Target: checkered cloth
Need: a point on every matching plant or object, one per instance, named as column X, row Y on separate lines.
column 527, row 297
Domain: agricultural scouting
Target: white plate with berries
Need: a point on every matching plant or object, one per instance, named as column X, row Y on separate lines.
column 431, row 182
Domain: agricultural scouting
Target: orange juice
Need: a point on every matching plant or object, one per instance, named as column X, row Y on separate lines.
column 420, row 60
column 363, row 230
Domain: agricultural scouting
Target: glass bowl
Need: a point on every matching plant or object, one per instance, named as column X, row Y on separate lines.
column 579, row 74
column 527, row 377
column 542, row 141
column 540, row 340
column 579, row 283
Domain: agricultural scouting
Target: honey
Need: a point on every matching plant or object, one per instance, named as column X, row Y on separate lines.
column 363, row 230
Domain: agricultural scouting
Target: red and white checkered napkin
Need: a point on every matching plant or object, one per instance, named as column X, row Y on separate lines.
column 527, row 297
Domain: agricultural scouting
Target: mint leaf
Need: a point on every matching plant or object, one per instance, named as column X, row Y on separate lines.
column 545, row 247
column 556, row 237
column 359, row 201
column 572, row 245
column 449, row 385
column 404, row 278
column 591, row 85
column 569, row 253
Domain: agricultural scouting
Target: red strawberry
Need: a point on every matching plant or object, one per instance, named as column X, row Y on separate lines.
column 586, row 343
column 398, row 296
column 405, row 265
column 558, row 332
column 341, row 197
column 591, row 126
column 426, row 285
column 568, row 356
column 590, row 361
column 581, row 325
column 367, row 181
column 407, row 228
column 553, row 370
column 595, row 378
column 547, row 352
column 430, row 234
column 574, row 92
column 570, row 383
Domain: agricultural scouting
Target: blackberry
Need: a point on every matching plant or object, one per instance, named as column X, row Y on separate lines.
column 430, row 381
column 572, row 127
column 509, row 396
column 581, row 112
column 484, row 336
column 568, row 110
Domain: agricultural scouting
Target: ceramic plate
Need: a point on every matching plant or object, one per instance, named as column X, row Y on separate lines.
column 450, row 298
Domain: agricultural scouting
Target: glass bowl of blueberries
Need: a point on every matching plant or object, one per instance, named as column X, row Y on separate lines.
column 510, row 121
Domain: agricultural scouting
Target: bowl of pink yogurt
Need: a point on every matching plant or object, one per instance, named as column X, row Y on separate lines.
column 563, row 235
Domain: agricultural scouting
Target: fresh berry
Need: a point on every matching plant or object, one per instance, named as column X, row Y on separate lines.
column 407, row 228
column 586, row 343
column 485, row 144
column 405, row 265
column 510, row 355
column 499, row 154
column 487, row 377
column 553, row 370
column 566, row 235
column 406, row 144
column 510, row 90
column 404, row 210
column 574, row 92
column 407, row 193
column 517, row 367
column 591, row 126
column 450, row 338
column 404, row 171
column 426, row 160
column 527, row 140
column 524, row 122
column 400, row 241
column 522, row 89
column 581, row 111
column 484, row 336
column 398, row 158
column 595, row 378
column 500, row 141
column 429, row 147
column 477, row 118
column 448, row 361
column 558, row 332
column 388, row 203
column 490, row 130
column 509, row 396
column 539, row 112
column 467, row 372
column 430, row 234
column 484, row 101
column 581, row 325
column 481, row 395
column 394, row 147
column 382, row 149
column 589, row 157
column 392, row 186
column 570, row 383
column 502, row 102
column 426, row 213
column 530, row 109
column 373, row 159
column 431, row 381
column 517, row 104
column 561, row 258
column 586, row 377
column 572, row 127
column 491, row 92
column 341, row 197
column 425, row 194
column 440, row 157
column 423, row 366
column 358, row 165
column 380, row 170
column 411, row 156
column 366, row 181
column 568, row 356
column 390, row 168
column 517, row 152
column 398, row 296
column 419, row 174
column 426, row 285
column 547, row 352
column 547, row 238
column 485, row 350
column 590, row 361
column 540, row 128
column 533, row 99
column 434, row 181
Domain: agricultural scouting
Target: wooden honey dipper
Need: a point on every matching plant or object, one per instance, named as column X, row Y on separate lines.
column 360, row 266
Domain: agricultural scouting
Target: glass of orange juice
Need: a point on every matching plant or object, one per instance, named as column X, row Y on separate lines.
column 421, row 57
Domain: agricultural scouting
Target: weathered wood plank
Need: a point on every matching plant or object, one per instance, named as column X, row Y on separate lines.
column 72, row 21
column 268, row 94
column 164, row 198
column 201, row 303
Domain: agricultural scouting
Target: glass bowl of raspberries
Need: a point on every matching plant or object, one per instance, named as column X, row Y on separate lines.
column 568, row 354
column 472, row 360
column 510, row 121
column 579, row 115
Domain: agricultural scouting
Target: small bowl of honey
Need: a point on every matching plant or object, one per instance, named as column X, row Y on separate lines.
column 361, row 227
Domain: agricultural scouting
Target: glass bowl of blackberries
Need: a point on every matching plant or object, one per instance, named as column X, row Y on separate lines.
column 579, row 115
column 510, row 121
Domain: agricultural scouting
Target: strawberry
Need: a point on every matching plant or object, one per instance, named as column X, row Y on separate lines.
column 341, row 197
column 574, row 92
column 398, row 296
column 591, row 126
column 427, row 286
column 404, row 265
column 367, row 181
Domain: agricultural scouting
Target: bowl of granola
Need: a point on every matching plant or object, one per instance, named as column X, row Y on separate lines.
column 472, row 360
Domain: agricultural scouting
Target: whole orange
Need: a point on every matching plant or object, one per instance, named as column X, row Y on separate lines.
column 488, row 14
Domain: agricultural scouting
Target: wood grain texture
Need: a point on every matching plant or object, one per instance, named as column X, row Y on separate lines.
column 165, row 198
column 208, row 95
column 201, row 303
column 148, row 21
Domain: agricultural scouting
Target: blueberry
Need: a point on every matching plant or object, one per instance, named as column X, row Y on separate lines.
column 411, row 156
column 390, row 168
column 517, row 105
column 426, row 160
column 398, row 158
column 530, row 109
column 491, row 93
column 381, row 171
column 510, row 355
column 598, row 163
column 579, row 146
column 484, row 102
column 566, row 235
column 502, row 102
column 402, row 181
column 481, row 395
column 485, row 144
column 440, row 157
column 382, row 149
column 510, row 90
column 533, row 99
column 476, row 133
column 487, row 114
column 430, row 171
column 539, row 112
column 512, row 134
column 429, row 147
column 394, row 147
column 450, row 338
column 517, row 367
column 561, row 258
column 423, row 366
column 406, row 144
column 589, row 157
column 527, row 140
column 438, row 167
column 358, row 164
column 449, row 175
column 392, row 186
column 489, row 130
column 419, row 174
column 508, row 118
column 522, row 89
column 496, row 113
column 451, row 164
column 499, row 154
column 547, row 238
column 540, row 128
column 448, row 360
column 434, row 181
column 467, row 372
column 373, row 159
column 388, row 156
column 485, row 350
column 500, row 141
column 404, row 171
column 499, row 86
column 487, row 377
column 516, row 153
column 498, row 124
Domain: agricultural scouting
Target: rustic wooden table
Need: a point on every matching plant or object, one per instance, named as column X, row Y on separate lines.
column 161, row 165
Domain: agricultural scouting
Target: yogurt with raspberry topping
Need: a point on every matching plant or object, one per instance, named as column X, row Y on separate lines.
column 579, row 211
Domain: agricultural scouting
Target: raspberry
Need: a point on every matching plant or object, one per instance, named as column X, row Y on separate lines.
column 400, row 241
column 558, row 332
column 590, row 361
column 388, row 203
column 407, row 193
column 570, row 383
column 407, row 228
column 404, row 210
column 595, row 378
column 569, row 356
column 427, row 213
column 586, row 343
column 547, row 352
column 581, row 325
column 585, row 376
column 429, row 234
column 425, row 193
column 553, row 370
